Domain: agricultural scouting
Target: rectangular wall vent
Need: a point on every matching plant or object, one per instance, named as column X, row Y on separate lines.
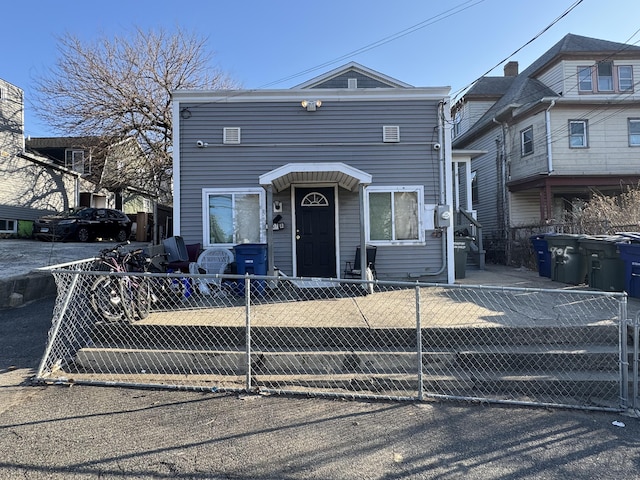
column 352, row 83
column 391, row 134
column 231, row 135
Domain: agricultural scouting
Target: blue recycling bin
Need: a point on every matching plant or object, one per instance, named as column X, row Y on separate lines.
column 251, row 259
column 543, row 255
column 630, row 254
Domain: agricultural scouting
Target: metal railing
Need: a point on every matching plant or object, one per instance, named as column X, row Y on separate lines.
column 346, row 338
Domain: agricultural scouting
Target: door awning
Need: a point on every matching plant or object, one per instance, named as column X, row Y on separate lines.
column 344, row 175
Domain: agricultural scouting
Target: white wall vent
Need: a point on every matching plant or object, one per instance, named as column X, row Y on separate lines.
column 391, row 134
column 231, row 135
column 352, row 83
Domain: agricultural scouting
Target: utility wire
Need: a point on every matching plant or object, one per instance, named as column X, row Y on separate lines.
column 564, row 14
column 418, row 26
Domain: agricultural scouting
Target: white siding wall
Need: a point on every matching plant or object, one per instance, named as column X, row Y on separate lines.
column 524, row 208
column 608, row 152
column 554, row 78
column 533, row 164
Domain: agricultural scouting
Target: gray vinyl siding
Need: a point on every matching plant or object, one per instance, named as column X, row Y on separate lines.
column 274, row 134
column 488, row 185
column 342, row 81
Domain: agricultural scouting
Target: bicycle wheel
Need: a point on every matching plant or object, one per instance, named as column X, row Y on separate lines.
column 145, row 298
column 106, row 298
column 128, row 293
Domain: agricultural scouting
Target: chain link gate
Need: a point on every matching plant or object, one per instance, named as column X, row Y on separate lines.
column 346, row 338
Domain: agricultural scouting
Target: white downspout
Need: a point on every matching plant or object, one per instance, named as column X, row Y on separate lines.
column 547, row 121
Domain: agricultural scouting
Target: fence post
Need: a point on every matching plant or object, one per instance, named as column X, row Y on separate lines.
column 419, row 343
column 624, row 353
column 636, row 353
column 247, row 301
column 58, row 321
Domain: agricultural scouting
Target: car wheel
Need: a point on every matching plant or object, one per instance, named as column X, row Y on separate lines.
column 83, row 234
column 122, row 235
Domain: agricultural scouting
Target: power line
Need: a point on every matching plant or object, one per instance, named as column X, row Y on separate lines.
column 562, row 15
column 414, row 28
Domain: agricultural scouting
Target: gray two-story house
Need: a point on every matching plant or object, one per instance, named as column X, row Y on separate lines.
column 350, row 158
column 566, row 126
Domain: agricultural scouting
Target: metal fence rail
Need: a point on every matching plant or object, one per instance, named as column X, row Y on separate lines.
column 351, row 338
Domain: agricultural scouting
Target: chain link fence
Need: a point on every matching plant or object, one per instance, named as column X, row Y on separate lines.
column 345, row 338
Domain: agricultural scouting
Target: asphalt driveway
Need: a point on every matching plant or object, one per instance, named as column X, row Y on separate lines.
column 107, row 432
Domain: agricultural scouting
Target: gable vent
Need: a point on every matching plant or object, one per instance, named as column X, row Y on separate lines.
column 231, row 135
column 352, row 83
column 391, row 134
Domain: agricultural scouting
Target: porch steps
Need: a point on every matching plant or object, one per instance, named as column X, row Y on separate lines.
column 567, row 361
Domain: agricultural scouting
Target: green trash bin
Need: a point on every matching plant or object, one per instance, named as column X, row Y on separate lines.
column 461, row 246
column 605, row 269
column 567, row 262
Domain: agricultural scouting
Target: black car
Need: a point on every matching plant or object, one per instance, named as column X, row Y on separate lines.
column 84, row 225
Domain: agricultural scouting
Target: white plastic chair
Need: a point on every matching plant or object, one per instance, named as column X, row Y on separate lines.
column 212, row 261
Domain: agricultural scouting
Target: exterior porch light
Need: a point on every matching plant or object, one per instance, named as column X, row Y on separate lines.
column 311, row 105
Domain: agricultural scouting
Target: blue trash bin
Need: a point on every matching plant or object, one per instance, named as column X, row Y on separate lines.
column 543, row 255
column 251, row 259
column 630, row 254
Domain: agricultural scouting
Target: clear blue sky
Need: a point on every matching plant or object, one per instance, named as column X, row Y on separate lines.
column 260, row 42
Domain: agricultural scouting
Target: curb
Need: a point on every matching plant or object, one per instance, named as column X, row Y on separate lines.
column 17, row 290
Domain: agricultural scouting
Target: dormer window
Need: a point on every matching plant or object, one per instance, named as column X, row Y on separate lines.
column 585, row 82
column 625, row 78
column 74, row 160
column 608, row 78
column 605, row 76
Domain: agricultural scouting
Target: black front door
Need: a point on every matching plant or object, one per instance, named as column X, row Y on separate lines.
column 315, row 232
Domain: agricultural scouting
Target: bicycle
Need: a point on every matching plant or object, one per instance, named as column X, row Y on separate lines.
column 122, row 297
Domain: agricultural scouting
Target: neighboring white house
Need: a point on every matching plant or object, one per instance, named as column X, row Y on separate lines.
column 31, row 184
column 567, row 125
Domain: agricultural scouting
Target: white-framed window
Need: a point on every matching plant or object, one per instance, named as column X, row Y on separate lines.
column 75, row 160
column 634, row 132
column 605, row 76
column 475, row 194
column 578, row 134
column 232, row 216
column 394, row 215
column 585, row 79
column 526, row 141
column 8, row 226
column 625, row 78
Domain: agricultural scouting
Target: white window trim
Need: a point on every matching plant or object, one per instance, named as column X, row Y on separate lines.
column 522, row 143
column 230, row 191
column 586, row 133
column 15, row 226
column 620, row 89
column 590, row 69
column 396, row 189
column 629, row 122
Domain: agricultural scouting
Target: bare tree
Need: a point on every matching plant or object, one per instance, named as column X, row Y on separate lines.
column 119, row 88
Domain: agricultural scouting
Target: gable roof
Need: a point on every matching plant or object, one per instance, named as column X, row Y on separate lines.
column 526, row 90
column 356, row 68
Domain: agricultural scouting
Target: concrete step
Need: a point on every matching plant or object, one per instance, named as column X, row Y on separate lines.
column 176, row 337
column 527, row 361
column 336, row 371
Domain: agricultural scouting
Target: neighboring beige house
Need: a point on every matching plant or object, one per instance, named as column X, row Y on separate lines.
column 566, row 126
column 31, row 185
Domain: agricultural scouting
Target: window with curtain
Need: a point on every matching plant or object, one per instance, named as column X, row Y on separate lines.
column 394, row 215
column 233, row 216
